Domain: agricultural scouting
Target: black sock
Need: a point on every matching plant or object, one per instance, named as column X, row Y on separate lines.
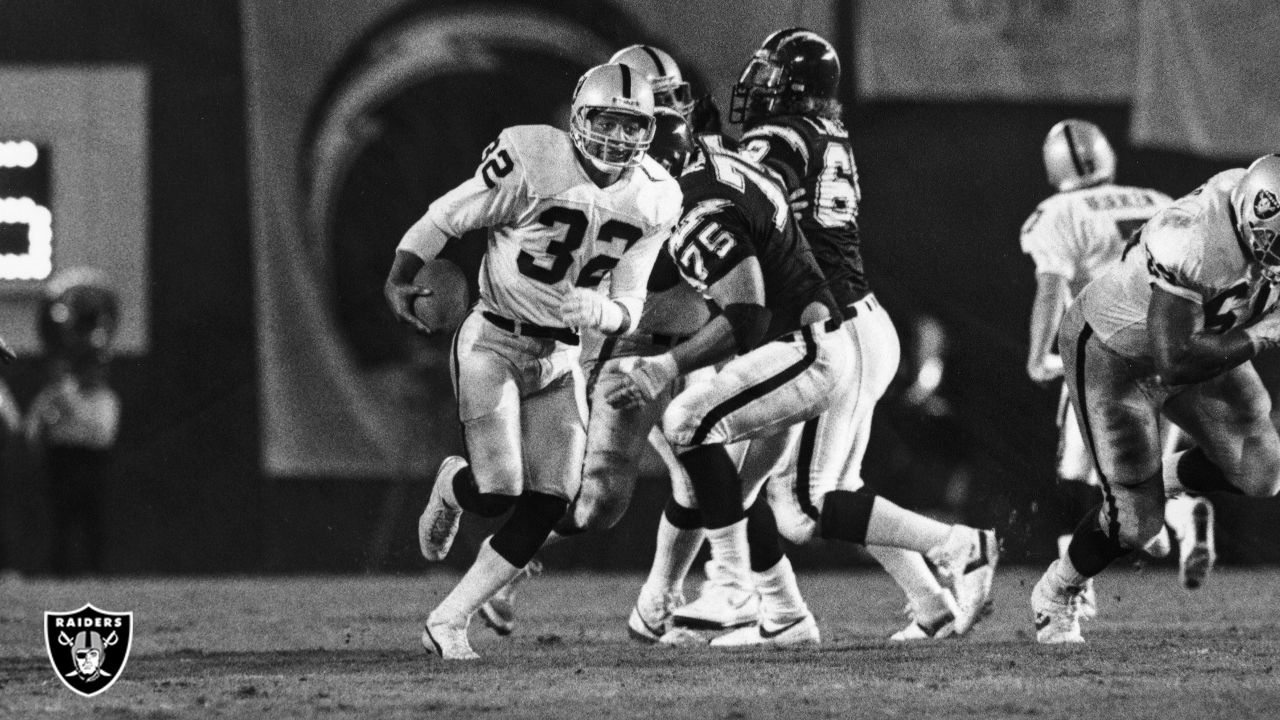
column 1198, row 473
column 1092, row 549
column 763, row 539
column 682, row 517
column 715, row 484
column 846, row 515
column 523, row 534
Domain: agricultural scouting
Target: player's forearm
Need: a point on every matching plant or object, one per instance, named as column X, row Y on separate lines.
column 711, row 344
column 1046, row 315
column 1203, row 356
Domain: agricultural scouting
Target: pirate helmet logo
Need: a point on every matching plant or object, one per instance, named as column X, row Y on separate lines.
column 88, row 647
column 1265, row 205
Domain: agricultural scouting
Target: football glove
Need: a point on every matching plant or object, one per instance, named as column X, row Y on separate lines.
column 644, row 380
column 583, row 308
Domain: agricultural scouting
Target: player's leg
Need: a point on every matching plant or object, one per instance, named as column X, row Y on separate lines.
column 488, row 392
column 781, row 615
column 1078, row 491
column 755, row 396
column 1118, row 414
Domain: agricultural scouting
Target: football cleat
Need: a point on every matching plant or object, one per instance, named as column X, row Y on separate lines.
column 448, row 641
column 942, row 625
column 1087, row 601
column 1196, row 554
column 650, row 619
column 796, row 631
column 1055, row 610
column 499, row 611
column 966, row 565
column 439, row 521
column 723, row 603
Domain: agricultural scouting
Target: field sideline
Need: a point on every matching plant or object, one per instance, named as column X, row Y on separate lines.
column 337, row 647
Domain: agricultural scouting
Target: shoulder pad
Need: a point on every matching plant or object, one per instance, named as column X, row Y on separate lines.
column 793, row 132
column 544, row 156
column 658, row 197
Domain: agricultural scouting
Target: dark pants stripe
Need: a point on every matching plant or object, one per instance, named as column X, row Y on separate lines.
column 755, row 392
column 804, row 463
column 1109, row 498
column 607, row 349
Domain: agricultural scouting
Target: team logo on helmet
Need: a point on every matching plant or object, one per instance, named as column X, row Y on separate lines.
column 88, row 647
column 1265, row 205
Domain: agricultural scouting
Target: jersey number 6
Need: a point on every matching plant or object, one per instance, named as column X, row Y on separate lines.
column 561, row 251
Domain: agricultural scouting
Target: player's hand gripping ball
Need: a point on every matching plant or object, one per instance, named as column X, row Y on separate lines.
column 445, row 306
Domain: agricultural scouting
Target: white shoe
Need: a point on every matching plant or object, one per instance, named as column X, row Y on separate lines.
column 724, row 602
column 448, row 641
column 439, row 521
column 1056, row 611
column 798, row 631
column 499, row 611
column 938, row 627
column 1161, row 545
column 966, row 564
column 650, row 619
column 1196, row 555
column 683, row 637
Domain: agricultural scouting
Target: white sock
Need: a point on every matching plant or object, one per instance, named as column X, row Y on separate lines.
column 894, row 526
column 729, row 548
column 1177, row 515
column 486, row 576
column 1169, row 473
column 672, row 557
column 1065, row 573
column 1064, row 541
column 780, row 599
column 909, row 570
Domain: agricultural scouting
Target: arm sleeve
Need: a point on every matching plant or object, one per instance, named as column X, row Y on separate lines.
column 489, row 198
column 1175, row 261
column 1047, row 237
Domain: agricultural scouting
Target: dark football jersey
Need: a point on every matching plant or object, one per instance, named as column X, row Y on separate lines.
column 814, row 154
column 734, row 210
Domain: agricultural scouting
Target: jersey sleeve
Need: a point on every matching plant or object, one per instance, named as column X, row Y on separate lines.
column 491, row 197
column 1047, row 238
column 780, row 148
column 1175, row 260
column 708, row 242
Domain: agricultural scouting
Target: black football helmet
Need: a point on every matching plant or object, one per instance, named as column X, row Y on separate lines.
column 79, row 315
column 791, row 64
column 672, row 141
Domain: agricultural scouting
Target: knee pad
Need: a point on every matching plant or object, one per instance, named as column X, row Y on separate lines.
column 684, row 518
column 472, row 500
column 531, row 521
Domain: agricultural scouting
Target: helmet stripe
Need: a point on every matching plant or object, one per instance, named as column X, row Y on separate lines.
column 657, row 61
column 626, row 81
column 1076, row 160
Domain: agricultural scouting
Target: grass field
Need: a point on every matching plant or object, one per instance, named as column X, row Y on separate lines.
column 348, row 647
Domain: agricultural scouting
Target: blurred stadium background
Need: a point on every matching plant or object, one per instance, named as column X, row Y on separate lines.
column 244, row 169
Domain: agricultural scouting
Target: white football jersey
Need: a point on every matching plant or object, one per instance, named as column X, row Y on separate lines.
column 1080, row 234
column 550, row 227
column 1191, row 250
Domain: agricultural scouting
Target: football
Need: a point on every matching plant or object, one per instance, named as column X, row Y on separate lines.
column 446, row 307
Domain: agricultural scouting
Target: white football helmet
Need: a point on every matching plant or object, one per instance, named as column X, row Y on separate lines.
column 662, row 72
column 1256, row 201
column 1077, row 155
column 618, row 90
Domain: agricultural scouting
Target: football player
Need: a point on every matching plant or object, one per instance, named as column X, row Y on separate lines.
column 786, row 102
column 1073, row 237
column 564, row 210
column 615, row 438
column 778, row 329
column 1170, row 330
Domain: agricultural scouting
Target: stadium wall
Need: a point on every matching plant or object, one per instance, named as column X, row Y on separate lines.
column 947, row 185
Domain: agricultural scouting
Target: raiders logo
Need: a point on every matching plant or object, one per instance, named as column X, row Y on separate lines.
column 88, row 647
column 1265, row 205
